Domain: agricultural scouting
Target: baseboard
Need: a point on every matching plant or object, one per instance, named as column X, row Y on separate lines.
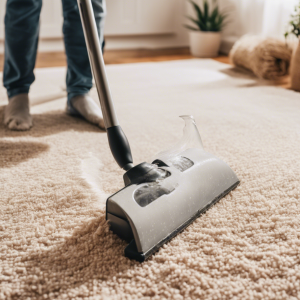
column 115, row 43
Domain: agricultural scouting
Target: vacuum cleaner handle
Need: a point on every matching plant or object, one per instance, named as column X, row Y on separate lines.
column 117, row 140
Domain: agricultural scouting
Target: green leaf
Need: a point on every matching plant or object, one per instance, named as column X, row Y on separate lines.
column 206, row 16
column 198, row 10
column 219, row 23
column 214, row 14
column 198, row 23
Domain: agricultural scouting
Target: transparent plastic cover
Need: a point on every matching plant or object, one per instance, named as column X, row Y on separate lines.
column 190, row 139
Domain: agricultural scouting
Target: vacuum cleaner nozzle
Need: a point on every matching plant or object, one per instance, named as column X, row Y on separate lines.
column 148, row 214
column 163, row 198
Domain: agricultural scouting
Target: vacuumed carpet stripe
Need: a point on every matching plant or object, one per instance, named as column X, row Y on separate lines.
column 55, row 243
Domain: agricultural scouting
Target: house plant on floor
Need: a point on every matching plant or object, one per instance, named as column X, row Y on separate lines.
column 205, row 34
column 295, row 62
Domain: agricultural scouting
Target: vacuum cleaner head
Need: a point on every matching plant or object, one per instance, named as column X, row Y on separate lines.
column 163, row 198
column 151, row 213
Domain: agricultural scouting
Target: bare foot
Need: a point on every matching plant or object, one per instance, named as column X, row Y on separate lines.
column 16, row 113
column 85, row 106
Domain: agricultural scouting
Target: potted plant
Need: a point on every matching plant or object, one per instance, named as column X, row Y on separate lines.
column 294, row 29
column 205, row 34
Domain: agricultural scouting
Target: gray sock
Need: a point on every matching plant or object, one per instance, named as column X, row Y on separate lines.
column 16, row 113
column 85, row 106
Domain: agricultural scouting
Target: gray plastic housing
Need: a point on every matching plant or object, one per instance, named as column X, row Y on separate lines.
column 192, row 192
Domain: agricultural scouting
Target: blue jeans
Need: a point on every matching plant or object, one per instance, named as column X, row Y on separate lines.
column 21, row 40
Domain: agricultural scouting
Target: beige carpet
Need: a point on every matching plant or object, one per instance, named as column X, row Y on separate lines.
column 54, row 242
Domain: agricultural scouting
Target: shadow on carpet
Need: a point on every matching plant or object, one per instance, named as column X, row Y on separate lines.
column 12, row 153
column 240, row 73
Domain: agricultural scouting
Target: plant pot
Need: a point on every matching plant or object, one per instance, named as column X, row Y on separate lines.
column 295, row 69
column 205, row 43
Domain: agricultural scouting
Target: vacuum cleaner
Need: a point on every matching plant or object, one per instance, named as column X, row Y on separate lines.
column 161, row 198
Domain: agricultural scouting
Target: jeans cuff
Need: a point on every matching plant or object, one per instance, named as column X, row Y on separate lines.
column 17, row 91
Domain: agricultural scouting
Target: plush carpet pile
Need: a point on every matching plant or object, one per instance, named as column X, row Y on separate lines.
column 55, row 243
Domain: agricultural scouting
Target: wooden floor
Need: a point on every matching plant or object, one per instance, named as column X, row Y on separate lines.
column 58, row 59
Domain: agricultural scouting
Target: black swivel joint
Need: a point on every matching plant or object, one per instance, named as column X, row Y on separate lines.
column 119, row 147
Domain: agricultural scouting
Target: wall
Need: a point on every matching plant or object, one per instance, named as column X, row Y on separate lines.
column 129, row 24
column 259, row 17
column 158, row 23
